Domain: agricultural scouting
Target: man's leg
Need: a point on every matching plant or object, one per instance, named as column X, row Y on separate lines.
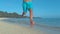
column 31, row 18
column 23, row 13
column 24, row 9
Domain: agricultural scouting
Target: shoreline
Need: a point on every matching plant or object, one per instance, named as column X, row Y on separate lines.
column 8, row 28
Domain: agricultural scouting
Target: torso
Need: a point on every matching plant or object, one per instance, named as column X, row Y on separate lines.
column 26, row 0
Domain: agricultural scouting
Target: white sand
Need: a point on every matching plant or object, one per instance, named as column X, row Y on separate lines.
column 7, row 28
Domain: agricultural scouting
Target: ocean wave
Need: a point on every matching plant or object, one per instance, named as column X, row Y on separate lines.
column 48, row 27
column 13, row 20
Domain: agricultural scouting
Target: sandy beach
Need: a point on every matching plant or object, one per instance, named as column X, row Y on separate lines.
column 8, row 28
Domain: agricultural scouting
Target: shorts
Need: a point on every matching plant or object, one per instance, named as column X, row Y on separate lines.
column 27, row 6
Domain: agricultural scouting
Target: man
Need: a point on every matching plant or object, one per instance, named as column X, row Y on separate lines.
column 27, row 5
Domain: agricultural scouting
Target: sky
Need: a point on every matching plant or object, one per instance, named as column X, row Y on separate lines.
column 41, row 8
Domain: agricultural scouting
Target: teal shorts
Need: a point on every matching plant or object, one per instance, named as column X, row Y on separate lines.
column 27, row 6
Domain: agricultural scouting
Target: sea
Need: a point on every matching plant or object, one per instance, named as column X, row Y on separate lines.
column 47, row 25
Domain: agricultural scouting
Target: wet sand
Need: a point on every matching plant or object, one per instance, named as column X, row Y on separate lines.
column 8, row 28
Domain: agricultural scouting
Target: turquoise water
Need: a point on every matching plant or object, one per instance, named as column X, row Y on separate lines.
column 55, row 22
column 49, row 25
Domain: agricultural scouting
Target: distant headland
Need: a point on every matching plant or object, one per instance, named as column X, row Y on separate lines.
column 4, row 14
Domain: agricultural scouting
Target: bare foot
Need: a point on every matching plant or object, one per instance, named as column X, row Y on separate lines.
column 32, row 23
